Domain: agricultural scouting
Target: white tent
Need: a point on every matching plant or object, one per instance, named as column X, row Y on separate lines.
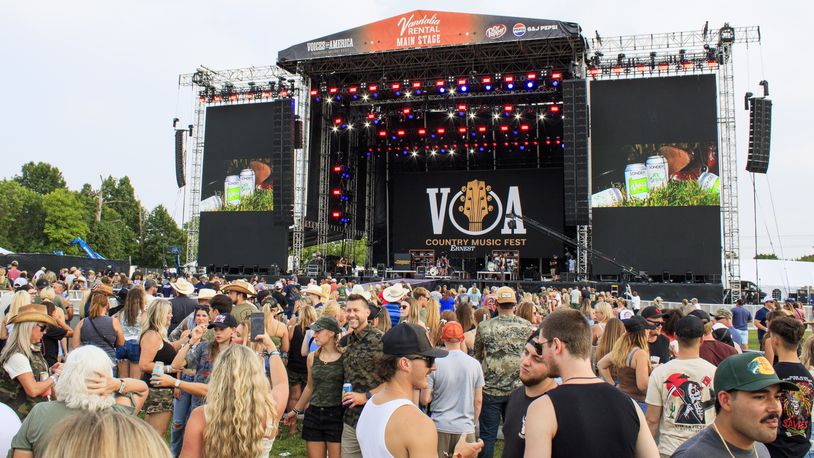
column 787, row 276
column 5, row 251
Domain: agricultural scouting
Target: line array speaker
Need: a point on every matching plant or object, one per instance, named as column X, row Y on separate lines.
column 576, row 176
column 760, row 134
column 179, row 158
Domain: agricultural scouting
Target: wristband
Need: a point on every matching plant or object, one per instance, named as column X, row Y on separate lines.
column 178, row 383
column 275, row 352
column 53, row 380
column 296, row 411
column 121, row 386
column 368, row 394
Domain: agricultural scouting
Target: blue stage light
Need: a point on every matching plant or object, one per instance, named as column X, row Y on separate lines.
column 488, row 87
column 555, row 83
column 529, row 84
column 510, row 86
column 464, row 88
column 442, row 89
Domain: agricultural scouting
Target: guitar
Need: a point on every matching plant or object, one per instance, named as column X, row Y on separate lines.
column 475, row 202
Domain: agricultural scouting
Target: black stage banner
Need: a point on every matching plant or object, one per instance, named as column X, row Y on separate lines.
column 427, row 29
column 463, row 213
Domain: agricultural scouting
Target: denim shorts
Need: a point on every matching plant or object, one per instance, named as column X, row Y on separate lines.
column 129, row 351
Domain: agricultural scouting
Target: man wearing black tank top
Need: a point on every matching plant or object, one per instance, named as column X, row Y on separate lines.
column 584, row 416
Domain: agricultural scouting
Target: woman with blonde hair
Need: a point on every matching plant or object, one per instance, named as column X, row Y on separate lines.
column 297, row 369
column 5, row 283
column 433, row 320
column 630, row 357
column 242, row 409
column 382, row 321
column 614, row 329
column 411, row 312
column 526, row 311
column 155, row 348
column 105, row 434
column 602, row 313
column 807, row 355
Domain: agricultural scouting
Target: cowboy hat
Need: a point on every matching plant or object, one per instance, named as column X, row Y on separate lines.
column 36, row 313
column 102, row 288
column 394, row 293
column 182, row 286
column 358, row 289
column 206, row 293
column 315, row 290
column 240, row 286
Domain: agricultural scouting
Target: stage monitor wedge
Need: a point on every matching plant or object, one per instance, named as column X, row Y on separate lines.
column 576, row 173
column 760, row 134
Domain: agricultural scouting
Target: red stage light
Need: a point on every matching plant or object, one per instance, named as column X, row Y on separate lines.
column 548, row 142
column 482, row 129
column 555, row 108
column 507, row 108
column 556, row 76
column 461, row 82
column 407, row 110
column 337, row 168
column 373, row 87
column 249, row 95
column 504, row 128
column 462, row 130
column 338, row 121
column 337, row 192
column 218, row 98
column 640, row 68
column 202, row 99
column 422, row 131
column 486, row 80
column 712, row 64
column 531, row 76
column 232, row 97
column 524, row 127
column 664, row 66
column 441, row 130
column 282, row 94
column 687, row 65
column 416, row 84
column 508, row 78
column 336, row 214
column 382, row 133
column 462, row 107
column 395, row 86
column 371, row 116
column 617, row 70
column 558, row 142
column 314, row 92
column 333, row 90
column 352, row 89
column 439, row 83
column 593, row 71
column 400, row 133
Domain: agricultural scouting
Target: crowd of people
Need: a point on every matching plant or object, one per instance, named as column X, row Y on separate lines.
column 389, row 369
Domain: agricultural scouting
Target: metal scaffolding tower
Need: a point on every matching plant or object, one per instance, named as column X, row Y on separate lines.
column 300, row 179
column 717, row 44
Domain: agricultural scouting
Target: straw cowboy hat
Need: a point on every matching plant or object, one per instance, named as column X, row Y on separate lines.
column 394, row 293
column 102, row 288
column 240, row 286
column 358, row 289
column 206, row 293
column 182, row 286
column 36, row 313
column 315, row 290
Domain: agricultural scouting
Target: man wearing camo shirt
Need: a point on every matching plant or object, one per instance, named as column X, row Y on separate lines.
column 499, row 343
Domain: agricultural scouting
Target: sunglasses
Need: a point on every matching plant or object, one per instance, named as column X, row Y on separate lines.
column 404, row 307
column 42, row 327
column 427, row 359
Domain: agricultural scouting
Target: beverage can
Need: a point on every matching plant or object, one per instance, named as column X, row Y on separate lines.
column 657, row 172
column 158, row 368
column 636, row 181
column 211, row 204
column 709, row 182
column 347, row 387
column 43, row 377
column 246, row 183
column 231, row 190
column 610, row 197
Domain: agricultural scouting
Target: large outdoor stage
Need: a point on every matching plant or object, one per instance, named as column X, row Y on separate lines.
column 461, row 146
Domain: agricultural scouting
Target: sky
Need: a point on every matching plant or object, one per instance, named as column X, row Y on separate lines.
column 92, row 86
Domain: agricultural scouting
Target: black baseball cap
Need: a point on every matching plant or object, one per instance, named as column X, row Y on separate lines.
column 702, row 315
column 225, row 320
column 651, row 311
column 690, row 327
column 637, row 323
column 42, row 282
column 375, row 310
column 409, row 339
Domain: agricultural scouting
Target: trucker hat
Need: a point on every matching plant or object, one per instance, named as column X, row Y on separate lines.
column 637, row 323
column 505, row 295
column 748, row 372
column 689, row 327
column 409, row 339
column 651, row 311
column 225, row 320
column 328, row 323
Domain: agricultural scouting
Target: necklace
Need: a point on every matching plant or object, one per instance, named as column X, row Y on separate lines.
column 727, row 446
column 578, row 378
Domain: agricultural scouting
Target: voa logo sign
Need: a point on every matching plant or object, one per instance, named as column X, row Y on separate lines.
column 475, row 209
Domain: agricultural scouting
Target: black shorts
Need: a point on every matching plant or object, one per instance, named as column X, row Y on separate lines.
column 323, row 424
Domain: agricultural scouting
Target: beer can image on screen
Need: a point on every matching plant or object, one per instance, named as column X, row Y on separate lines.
column 610, row 197
column 657, row 172
column 636, row 181
column 709, row 182
column 231, row 190
column 246, row 183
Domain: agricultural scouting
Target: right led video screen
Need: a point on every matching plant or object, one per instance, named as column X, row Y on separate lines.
column 655, row 174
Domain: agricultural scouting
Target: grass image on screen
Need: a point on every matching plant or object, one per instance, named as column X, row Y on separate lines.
column 246, row 185
column 658, row 175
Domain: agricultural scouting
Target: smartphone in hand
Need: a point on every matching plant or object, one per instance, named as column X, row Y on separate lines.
column 257, row 322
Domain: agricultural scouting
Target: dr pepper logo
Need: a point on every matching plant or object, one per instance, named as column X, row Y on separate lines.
column 519, row 29
column 496, row 31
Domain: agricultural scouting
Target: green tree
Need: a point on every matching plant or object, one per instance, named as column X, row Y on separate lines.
column 22, row 218
column 765, row 256
column 41, row 177
column 160, row 233
column 65, row 219
column 120, row 196
column 107, row 238
column 807, row 258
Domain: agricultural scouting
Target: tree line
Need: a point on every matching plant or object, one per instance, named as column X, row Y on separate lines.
column 39, row 214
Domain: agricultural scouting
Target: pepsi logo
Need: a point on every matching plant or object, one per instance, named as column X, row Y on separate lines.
column 519, row 29
column 496, row 31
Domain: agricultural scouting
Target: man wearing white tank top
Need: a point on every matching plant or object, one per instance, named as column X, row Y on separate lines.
column 391, row 424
